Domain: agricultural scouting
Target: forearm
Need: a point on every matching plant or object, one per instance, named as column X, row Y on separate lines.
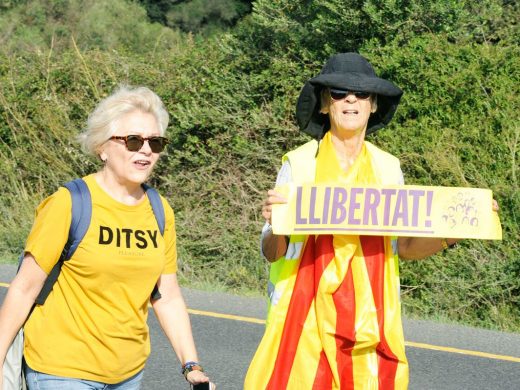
column 274, row 246
column 15, row 309
column 414, row 248
column 20, row 297
column 175, row 322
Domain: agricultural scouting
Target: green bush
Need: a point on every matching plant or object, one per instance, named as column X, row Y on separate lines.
column 231, row 98
column 42, row 25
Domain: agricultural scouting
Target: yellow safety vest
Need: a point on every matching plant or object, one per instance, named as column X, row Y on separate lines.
column 303, row 169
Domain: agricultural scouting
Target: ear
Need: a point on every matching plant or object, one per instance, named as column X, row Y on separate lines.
column 103, row 156
column 101, row 152
column 373, row 104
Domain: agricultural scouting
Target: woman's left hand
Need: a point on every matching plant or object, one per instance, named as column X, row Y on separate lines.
column 195, row 377
column 495, row 205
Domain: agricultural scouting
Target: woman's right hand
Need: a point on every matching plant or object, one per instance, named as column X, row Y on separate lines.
column 196, row 377
column 273, row 197
column 273, row 246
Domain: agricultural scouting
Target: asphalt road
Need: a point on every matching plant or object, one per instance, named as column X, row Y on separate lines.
column 228, row 328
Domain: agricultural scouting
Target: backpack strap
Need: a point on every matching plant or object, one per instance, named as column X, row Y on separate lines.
column 79, row 224
column 157, row 206
column 158, row 210
column 81, row 215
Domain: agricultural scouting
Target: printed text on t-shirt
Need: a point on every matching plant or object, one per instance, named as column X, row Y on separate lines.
column 127, row 237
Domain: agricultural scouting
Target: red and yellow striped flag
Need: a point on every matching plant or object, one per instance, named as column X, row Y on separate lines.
column 342, row 327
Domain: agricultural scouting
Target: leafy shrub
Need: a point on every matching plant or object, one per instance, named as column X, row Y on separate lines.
column 39, row 25
column 231, row 99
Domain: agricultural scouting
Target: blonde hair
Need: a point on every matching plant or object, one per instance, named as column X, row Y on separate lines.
column 102, row 122
column 325, row 101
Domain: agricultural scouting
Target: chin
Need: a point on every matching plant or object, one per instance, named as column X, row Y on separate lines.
column 139, row 178
column 351, row 129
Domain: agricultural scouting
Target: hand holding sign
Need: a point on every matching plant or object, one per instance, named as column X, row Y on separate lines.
column 273, row 197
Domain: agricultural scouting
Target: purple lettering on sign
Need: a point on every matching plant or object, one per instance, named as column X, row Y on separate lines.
column 326, row 205
column 387, row 193
column 429, row 199
column 354, row 205
column 401, row 208
column 416, row 195
column 299, row 219
column 312, row 208
column 338, row 212
column 372, row 200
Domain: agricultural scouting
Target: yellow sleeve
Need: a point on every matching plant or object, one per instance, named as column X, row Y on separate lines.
column 170, row 239
column 50, row 230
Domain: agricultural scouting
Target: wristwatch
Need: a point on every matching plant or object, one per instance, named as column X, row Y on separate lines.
column 189, row 367
column 445, row 245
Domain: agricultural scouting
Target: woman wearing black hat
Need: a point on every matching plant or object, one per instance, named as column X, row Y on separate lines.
column 334, row 319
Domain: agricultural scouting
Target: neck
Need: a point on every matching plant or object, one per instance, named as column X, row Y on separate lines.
column 348, row 146
column 124, row 192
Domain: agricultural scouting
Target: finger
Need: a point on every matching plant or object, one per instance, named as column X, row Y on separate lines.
column 267, row 216
column 275, row 200
column 272, row 192
column 275, row 197
column 495, row 205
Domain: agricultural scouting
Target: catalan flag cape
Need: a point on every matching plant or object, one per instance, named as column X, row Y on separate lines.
column 335, row 322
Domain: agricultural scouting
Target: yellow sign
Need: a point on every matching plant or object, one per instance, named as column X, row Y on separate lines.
column 413, row 211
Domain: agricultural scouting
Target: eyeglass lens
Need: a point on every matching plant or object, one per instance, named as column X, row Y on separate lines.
column 338, row 94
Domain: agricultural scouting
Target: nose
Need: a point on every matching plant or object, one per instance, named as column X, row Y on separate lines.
column 350, row 97
column 146, row 147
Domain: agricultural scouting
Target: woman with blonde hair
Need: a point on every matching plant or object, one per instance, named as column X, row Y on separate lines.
column 92, row 332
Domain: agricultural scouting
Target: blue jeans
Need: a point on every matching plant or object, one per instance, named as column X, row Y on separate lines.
column 39, row 381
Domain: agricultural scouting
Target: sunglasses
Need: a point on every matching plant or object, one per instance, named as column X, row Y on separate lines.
column 134, row 143
column 339, row 94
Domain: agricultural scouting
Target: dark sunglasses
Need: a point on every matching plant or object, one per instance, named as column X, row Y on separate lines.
column 339, row 94
column 134, row 143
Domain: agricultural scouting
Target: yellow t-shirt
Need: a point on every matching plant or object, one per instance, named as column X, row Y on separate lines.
column 93, row 323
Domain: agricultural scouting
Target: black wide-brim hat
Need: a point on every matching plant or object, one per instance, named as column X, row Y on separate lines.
column 346, row 71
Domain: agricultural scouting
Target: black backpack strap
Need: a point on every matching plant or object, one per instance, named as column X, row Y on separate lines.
column 158, row 210
column 80, row 222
